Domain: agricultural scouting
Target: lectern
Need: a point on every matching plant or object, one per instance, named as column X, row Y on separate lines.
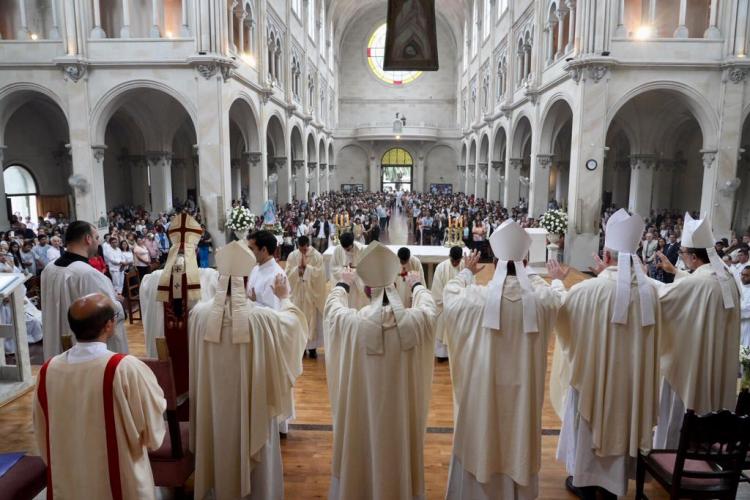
column 16, row 378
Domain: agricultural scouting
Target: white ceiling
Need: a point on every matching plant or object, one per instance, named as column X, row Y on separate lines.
column 344, row 11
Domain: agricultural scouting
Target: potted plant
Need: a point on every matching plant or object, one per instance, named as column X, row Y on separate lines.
column 240, row 221
column 556, row 223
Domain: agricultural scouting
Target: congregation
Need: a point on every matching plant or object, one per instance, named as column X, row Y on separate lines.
column 380, row 327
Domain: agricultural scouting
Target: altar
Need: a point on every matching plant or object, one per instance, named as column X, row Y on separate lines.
column 15, row 378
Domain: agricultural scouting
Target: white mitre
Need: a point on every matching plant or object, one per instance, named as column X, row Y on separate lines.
column 696, row 233
column 233, row 262
column 510, row 243
column 622, row 234
column 377, row 267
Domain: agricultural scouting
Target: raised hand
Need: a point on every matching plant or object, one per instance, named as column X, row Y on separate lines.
column 599, row 265
column 557, row 271
column 347, row 276
column 471, row 262
column 280, row 288
column 663, row 263
column 412, row 278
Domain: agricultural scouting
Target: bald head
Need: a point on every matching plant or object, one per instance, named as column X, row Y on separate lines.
column 92, row 317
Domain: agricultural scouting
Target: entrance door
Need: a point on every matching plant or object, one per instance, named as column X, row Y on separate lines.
column 397, row 168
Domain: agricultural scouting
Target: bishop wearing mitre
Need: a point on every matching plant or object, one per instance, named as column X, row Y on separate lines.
column 180, row 283
column 497, row 342
column 345, row 258
column 608, row 329
column 379, row 373
column 444, row 272
column 244, row 359
column 409, row 264
column 305, row 271
column 699, row 345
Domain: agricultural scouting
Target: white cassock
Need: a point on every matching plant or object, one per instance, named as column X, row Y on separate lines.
column 32, row 318
column 342, row 259
column 78, row 455
column 114, row 259
column 402, row 287
column 379, row 364
column 238, row 387
column 444, row 272
column 699, row 349
column 309, row 291
column 153, row 311
column 498, row 384
column 64, row 281
column 612, row 385
column 261, row 281
column 745, row 337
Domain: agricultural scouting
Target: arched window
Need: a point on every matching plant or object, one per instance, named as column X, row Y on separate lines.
column 21, row 190
column 397, row 166
column 311, row 19
column 376, row 56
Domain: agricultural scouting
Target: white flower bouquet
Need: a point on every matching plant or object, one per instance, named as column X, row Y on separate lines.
column 554, row 221
column 240, row 220
column 745, row 364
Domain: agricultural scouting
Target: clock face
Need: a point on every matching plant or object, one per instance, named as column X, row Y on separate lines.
column 591, row 164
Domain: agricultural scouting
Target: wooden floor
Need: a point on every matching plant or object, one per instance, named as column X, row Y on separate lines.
column 307, row 451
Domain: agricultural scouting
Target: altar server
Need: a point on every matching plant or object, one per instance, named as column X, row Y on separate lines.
column 608, row 329
column 244, row 359
column 263, row 276
column 497, row 341
column 97, row 413
column 699, row 345
column 70, row 277
column 409, row 263
column 445, row 271
column 379, row 373
column 346, row 257
column 306, row 273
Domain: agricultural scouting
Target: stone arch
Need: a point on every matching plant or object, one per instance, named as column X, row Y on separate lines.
column 15, row 95
column 354, row 167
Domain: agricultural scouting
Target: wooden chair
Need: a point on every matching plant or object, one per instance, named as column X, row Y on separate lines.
column 173, row 463
column 708, row 462
column 132, row 300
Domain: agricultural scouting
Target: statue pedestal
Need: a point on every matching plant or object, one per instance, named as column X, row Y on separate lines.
column 553, row 252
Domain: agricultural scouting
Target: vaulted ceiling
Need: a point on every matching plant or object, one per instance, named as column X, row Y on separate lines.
column 451, row 12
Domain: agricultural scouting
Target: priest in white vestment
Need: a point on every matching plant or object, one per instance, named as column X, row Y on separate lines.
column 244, row 359
column 305, row 271
column 444, row 272
column 379, row 363
column 608, row 329
column 700, row 339
column 409, row 264
column 97, row 413
column 263, row 244
column 346, row 257
column 70, row 277
column 497, row 342
column 32, row 318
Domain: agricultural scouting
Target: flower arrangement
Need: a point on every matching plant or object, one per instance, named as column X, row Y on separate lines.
column 554, row 221
column 240, row 219
column 745, row 364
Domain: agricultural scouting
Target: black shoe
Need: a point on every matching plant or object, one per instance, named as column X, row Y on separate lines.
column 312, row 353
column 585, row 493
column 282, row 435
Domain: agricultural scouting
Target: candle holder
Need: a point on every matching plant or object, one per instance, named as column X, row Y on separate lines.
column 454, row 237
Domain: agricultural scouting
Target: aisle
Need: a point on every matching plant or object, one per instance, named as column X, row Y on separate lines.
column 398, row 230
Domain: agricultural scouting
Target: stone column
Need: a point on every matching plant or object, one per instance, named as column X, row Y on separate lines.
column 230, row 20
column 155, row 29
column 713, row 31
column 160, row 170
column 125, row 30
column 682, row 31
column 539, row 188
column 23, row 31
column 641, row 184
column 179, row 179
column 498, row 170
column 621, row 31
column 561, row 188
column 96, row 31
column 663, row 181
column 139, row 180
column 69, row 22
column 331, row 170
column 375, row 175
column 512, row 182
column 185, row 28
column 300, row 178
column 471, row 179
column 54, row 33
column 258, row 187
column 482, row 177
column 551, row 42
column 571, row 4
column 4, row 222
column 560, row 31
column 236, row 179
column 319, row 183
column 284, row 184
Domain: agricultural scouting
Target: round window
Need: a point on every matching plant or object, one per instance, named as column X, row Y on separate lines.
column 375, row 56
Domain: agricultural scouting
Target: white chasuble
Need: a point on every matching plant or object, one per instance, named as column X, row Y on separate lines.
column 402, row 287
column 379, row 364
column 153, row 311
column 243, row 364
column 498, row 383
column 309, row 291
column 342, row 259
column 63, row 281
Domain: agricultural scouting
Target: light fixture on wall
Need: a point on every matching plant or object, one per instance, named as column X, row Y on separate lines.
column 34, row 36
column 398, row 137
column 644, row 32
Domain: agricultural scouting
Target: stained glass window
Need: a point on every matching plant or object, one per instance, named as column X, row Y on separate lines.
column 375, row 55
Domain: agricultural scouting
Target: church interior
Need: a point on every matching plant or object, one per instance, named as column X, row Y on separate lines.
column 296, row 115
